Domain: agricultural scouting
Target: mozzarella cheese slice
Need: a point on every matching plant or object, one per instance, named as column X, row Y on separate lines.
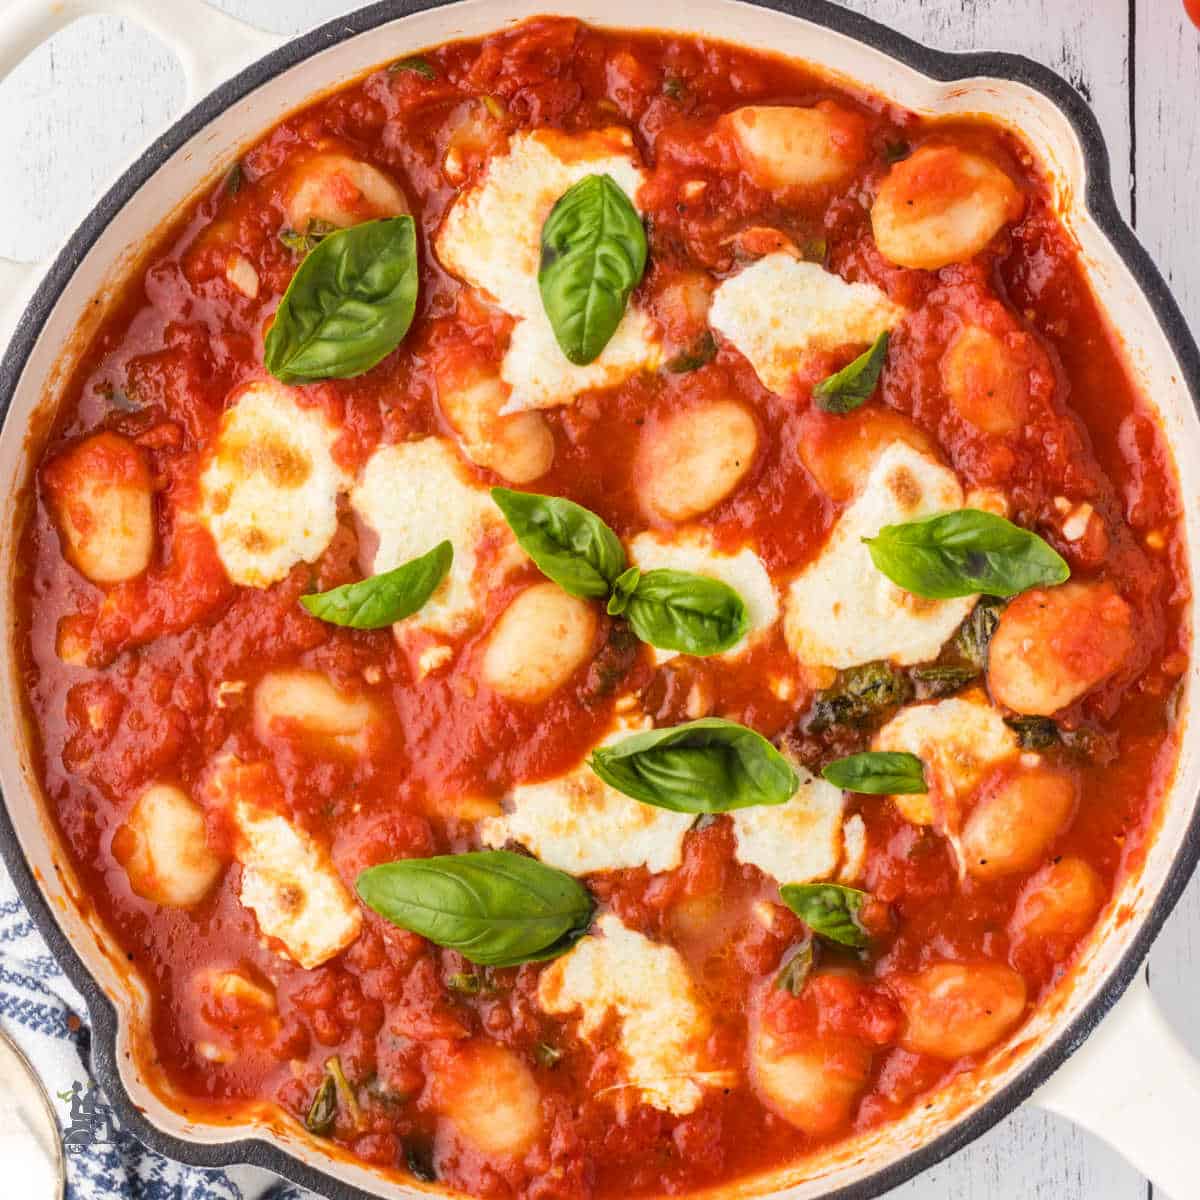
column 290, row 884
column 795, row 842
column 269, row 492
column 840, row 610
column 779, row 310
column 662, row 1023
column 579, row 824
column 491, row 238
column 413, row 495
column 692, row 550
column 959, row 740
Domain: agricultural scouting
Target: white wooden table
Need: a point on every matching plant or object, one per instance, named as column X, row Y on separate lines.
column 101, row 90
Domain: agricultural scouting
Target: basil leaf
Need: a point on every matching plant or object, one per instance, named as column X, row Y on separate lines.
column 416, row 64
column 878, row 773
column 348, row 306
column 695, row 614
column 323, row 1111
column 496, row 908
column 622, row 591
column 706, row 766
column 593, row 256
column 859, row 696
column 844, row 391
column 570, row 545
column 383, row 599
column 965, row 552
column 975, row 633
column 935, row 680
column 1034, row 733
column 796, row 968
column 305, row 243
column 701, row 352
column 828, row 909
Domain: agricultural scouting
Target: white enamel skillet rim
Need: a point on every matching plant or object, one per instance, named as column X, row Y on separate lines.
column 1134, row 1084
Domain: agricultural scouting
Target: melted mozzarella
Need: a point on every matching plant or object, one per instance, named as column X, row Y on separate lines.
column 662, row 1023
column 959, row 740
column 414, row 495
column 692, row 550
column 579, row 824
column 794, row 842
column 268, row 494
column 290, row 884
column 491, row 237
column 779, row 309
column 840, row 610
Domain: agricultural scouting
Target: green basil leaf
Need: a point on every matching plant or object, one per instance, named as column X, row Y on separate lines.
column 935, row 680
column 845, row 390
column 349, row 304
column 305, row 243
column 878, row 773
column 860, row 696
column 796, row 968
column 706, row 766
column 496, row 908
column 975, row 633
column 622, row 591
column 570, row 545
column 963, row 553
column 416, row 64
column 828, row 909
column 383, row 599
column 694, row 614
column 322, row 1112
column 701, row 352
column 1034, row 733
column 593, row 256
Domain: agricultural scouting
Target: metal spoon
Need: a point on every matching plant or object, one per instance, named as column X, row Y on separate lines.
column 30, row 1144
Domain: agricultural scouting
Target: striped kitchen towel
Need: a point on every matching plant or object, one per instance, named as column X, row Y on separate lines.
column 45, row 1016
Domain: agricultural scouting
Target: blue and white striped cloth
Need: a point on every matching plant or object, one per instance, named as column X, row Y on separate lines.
column 36, row 1000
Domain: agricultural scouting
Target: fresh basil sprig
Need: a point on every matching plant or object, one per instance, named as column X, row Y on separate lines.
column 593, row 256
column 570, row 544
column 828, row 909
column 383, row 599
column 965, row 552
column 795, row 969
column 496, row 908
column 673, row 610
column 846, row 389
column 349, row 304
column 706, row 766
column 878, row 773
column 416, row 64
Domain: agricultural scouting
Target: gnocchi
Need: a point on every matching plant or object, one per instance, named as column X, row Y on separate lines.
column 814, row 1087
column 491, row 1098
column 838, row 451
column 519, row 447
column 102, row 498
column 689, row 461
column 1053, row 646
column 1061, row 900
column 541, row 639
column 784, row 147
column 942, row 205
column 956, row 1009
column 340, row 190
column 306, row 703
column 986, row 383
column 1014, row 822
column 164, row 849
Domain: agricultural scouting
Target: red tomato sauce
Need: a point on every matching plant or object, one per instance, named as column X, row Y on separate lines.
column 167, row 662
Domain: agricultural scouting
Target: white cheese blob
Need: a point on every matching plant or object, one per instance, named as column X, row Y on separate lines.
column 579, row 824
column 269, row 491
column 290, row 884
column 780, row 309
column 692, row 550
column 795, row 842
column 414, row 495
column 491, row 238
column 662, row 1022
column 841, row 610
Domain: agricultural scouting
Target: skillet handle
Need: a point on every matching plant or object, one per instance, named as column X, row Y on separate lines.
column 210, row 47
column 1134, row 1085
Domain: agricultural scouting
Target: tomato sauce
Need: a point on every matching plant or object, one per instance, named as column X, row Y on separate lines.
column 165, row 665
